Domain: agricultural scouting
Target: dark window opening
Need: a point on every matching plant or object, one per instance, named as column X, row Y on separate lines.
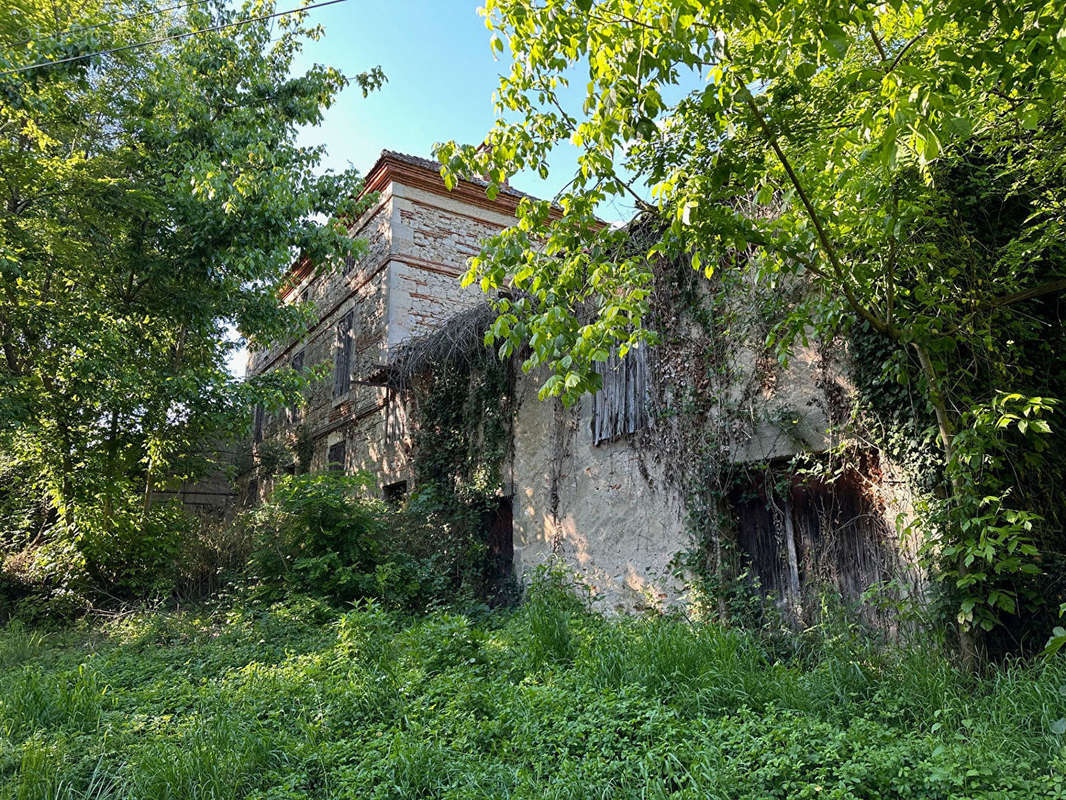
column 349, row 263
column 252, row 496
column 297, row 365
column 257, row 425
column 800, row 534
column 342, row 364
column 394, row 493
column 498, row 524
column 335, row 458
column 620, row 407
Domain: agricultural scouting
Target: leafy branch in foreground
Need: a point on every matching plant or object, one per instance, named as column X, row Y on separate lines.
column 907, row 161
column 154, row 201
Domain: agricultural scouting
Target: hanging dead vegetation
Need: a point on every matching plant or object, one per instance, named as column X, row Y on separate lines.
column 458, row 344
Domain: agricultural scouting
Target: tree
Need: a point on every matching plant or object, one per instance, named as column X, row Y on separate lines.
column 851, row 122
column 154, row 198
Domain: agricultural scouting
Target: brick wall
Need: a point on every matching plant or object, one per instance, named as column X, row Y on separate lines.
column 433, row 237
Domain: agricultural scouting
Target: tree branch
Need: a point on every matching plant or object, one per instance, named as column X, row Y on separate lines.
column 877, row 42
column 1051, row 287
column 903, row 51
column 827, row 246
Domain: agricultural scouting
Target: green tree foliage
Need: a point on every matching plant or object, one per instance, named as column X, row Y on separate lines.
column 320, row 533
column 902, row 161
column 153, row 200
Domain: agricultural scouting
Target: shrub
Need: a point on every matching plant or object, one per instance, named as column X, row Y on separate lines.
column 134, row 554
column 211, row 553
column 128, row 555
column 321, row 534
column 46, row 580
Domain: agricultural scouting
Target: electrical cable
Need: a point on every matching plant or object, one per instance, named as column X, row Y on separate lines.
column 115, row 21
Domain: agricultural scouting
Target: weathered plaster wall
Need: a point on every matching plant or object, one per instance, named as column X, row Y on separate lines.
column 616, row 512
column 787, row 411
column 606, row 510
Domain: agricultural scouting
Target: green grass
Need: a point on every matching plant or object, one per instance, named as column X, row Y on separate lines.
column 297, row 700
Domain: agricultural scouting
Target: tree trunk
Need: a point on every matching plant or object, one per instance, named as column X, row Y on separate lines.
column 946, row 429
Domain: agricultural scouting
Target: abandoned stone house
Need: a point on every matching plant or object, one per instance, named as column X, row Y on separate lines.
column 596, row 485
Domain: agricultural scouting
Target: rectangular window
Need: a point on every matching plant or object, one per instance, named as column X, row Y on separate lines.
column 342, row 363
column 349, row 263
column 297, row 365
column 257, row 425
column 394, row 493
column 620, row 407
column 335, row 457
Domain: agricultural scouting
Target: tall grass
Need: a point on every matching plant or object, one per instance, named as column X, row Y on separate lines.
column 43, row 775
column 19, row 644
column 33, row 700
column 216, row 758
column 547, row 700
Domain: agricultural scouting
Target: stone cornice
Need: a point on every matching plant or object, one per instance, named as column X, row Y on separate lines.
column 392, row 168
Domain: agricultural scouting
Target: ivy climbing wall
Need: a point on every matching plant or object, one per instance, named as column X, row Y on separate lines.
column 660, row 488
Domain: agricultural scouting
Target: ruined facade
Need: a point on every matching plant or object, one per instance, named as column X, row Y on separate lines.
column 406, row 284
column 607, row 486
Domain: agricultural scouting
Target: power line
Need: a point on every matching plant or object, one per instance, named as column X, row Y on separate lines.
column 171, row 38
column 115, row 21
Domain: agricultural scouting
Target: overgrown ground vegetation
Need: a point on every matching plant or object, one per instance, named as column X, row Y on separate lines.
column 249, row 698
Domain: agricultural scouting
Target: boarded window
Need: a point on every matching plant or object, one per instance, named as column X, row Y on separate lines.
column 297, row 365
column 257, row 424
column 620, row 407
column 335, row 457
column 807, row 533
column 342, row 364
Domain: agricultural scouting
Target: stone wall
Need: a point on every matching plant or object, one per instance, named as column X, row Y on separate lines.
column 357, row 415
column 433, row 237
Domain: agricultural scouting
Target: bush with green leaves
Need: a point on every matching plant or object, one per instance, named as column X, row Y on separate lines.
column 321, row 533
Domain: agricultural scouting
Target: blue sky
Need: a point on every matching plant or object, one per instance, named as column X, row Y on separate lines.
column 441, row 74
